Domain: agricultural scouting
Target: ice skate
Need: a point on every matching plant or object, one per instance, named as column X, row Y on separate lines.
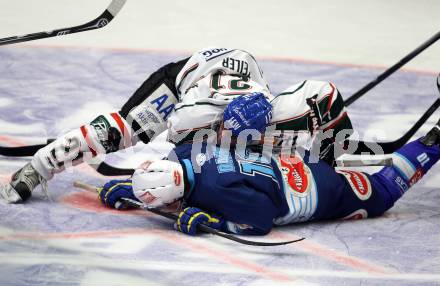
column 433, row 136
column 22, row 184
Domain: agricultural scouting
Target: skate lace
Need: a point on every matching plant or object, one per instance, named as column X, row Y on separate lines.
column 44, row 187
column 31, row 178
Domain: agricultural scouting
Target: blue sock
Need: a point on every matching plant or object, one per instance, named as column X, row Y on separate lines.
column 410, row 164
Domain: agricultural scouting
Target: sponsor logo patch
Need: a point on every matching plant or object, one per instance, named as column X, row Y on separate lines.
column 177, row 178
column 416, row 177
column 401, row 183
column 152, row 113
column 108, row 136
column 296, row 174
column 359, row 183
column 147, row 197
column 358, row 214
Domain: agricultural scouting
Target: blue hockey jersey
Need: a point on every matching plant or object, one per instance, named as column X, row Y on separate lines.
column 252, row 192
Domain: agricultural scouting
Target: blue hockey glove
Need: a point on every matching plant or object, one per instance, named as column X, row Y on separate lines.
column 250, row 111
column 112, row 192
column 191, row 217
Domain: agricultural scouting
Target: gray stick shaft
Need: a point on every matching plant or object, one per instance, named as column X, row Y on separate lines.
column 365, row 162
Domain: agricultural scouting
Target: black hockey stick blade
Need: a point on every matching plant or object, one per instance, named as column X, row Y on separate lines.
column 207, row 229
column 107, row 170
column 22, row 151
column 392, row 69
column 105, row 18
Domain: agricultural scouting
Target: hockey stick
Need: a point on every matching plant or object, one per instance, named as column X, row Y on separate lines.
column 364, row 163
column 392, row 69
column 392, row 146
column 105, row 18
column 201, row 227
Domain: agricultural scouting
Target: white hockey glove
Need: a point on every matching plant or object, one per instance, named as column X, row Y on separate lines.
column 158, row 183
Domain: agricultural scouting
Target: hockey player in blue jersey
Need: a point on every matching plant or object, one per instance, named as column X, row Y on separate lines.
column 236, row 190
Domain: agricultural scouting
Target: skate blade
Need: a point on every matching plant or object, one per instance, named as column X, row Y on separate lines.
column 9, row 195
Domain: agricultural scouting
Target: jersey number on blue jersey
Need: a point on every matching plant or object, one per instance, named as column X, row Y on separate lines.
column 252, row 168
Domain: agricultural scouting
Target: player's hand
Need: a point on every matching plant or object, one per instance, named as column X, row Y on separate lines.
column 112, row 192
column 250, row 111
column 191, row 217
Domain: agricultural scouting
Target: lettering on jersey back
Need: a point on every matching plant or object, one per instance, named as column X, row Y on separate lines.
column 213, row 53
column 239, row 66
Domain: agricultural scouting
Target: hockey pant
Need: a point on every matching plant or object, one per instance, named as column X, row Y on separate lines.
column 142, row 118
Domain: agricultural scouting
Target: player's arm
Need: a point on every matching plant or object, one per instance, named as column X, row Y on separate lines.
column 246, row 202
column 191, row 217
column 141, row 118
column 317, row 108
column 149, row 107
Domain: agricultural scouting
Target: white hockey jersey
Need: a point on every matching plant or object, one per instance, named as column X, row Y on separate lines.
column 213, row 77
column 208, row 82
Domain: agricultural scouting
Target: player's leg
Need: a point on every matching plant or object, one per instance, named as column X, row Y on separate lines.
column 105, row 134
column 371, row 195
column 141, row 118
column 410, row 164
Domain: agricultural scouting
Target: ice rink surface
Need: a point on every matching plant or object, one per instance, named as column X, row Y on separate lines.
column 50, row 86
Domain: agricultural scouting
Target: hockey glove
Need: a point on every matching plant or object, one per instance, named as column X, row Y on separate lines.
column 112, row 192
column 250, row 111
column 191, row 217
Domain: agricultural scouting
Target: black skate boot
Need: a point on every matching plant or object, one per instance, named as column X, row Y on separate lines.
column 433, row 136
column 22, row 184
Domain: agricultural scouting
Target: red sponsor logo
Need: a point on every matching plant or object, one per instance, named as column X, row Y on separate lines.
column 359, row 214
column 147, row 198
column 416, row 177
column 177, row 178
column 293, row 171
column 359, row 183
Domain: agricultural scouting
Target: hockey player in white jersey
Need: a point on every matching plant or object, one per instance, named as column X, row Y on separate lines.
column 185, row 97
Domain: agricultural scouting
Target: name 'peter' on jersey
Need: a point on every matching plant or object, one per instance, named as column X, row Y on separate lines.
column 207, row 83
